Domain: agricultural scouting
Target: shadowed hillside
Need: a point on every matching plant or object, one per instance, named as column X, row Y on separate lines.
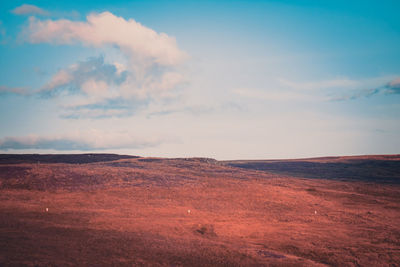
column 59, row 158
column 383, row 169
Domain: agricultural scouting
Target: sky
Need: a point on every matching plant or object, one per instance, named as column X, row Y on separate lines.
column 220, row 79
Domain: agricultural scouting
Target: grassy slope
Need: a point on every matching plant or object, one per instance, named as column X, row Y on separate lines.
column 135, row 211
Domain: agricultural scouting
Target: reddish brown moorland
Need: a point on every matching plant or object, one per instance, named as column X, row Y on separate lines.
column 198, row 212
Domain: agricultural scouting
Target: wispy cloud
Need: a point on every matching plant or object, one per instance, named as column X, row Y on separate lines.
column 323, row 90
column 392, row 87
column 26, row 9
column 90, row 140
column 3, row 33
column 192, row 110
column 2, row 29
column 114, row 107
column 318, row 85
column 196, row 109
column 276, row 95
column 289, row 90
column 14, row 90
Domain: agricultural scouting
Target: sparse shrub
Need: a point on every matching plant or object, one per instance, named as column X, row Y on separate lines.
column 206, row 230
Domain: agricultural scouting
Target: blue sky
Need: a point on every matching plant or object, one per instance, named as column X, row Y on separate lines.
column 222, row 79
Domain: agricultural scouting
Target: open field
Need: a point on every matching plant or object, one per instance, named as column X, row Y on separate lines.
column 124, row 211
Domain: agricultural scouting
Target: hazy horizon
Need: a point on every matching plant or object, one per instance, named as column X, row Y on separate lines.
column 220, row 79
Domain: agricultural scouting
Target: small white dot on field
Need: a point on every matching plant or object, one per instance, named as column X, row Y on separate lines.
column 315, row 212
column 189, row 211
column 47, row 209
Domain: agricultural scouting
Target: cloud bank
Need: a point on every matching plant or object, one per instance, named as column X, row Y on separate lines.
column 84, row 141
column 97, row 88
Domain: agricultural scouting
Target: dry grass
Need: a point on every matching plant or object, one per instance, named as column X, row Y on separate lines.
column 134, row 212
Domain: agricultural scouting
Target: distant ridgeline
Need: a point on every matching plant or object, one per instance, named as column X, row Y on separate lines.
column 60, row 158
column 377, row 168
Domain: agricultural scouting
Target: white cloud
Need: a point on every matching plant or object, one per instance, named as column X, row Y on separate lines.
column 161, row 87
column 26, row 9
column 89, row 140
column 135, row 40
column 120, row 67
